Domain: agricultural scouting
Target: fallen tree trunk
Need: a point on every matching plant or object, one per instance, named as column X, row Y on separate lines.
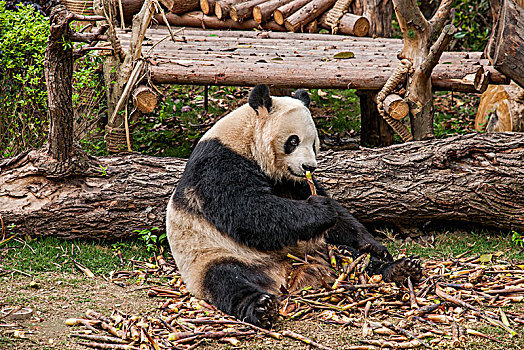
column 180, row 6
column 474, row 178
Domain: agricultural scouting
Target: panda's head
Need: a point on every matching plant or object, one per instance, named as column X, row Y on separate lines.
column 285, row 138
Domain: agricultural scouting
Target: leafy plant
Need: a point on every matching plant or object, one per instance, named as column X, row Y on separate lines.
column 23, row 97
column 517, row 239
column 151, row 240
column 473, row 21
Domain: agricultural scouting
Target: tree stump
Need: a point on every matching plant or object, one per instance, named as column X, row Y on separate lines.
column 501, row 109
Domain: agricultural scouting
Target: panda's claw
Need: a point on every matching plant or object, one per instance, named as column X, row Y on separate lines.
column 265, row 311
column 401, row 269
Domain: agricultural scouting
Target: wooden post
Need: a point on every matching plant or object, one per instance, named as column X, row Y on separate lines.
column 58, row 65
column 374, row 130
column 508, row 51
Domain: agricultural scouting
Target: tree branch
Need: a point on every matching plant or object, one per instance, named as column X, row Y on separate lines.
column 408, row 14
column 436, row 50
column 77, row 17
column 439, row 18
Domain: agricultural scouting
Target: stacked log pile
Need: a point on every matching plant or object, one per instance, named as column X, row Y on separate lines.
column 278, row 15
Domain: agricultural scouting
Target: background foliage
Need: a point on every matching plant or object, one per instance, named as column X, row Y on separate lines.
column 23, row 95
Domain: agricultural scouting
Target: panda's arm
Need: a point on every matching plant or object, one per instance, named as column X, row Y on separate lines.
column 237, row 198
column 350, row 232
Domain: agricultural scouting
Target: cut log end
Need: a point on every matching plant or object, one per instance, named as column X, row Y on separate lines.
column 207, row 6
column 233, row 14
column 144, row 99
column 257, row 14
column 361, row 27
column 221, row 10
column 396, row 107
column 278, row 17
column 501, row 109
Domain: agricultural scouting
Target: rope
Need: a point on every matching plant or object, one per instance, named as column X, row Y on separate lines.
column 335, row 14
column 115, row 139
column 395, row 78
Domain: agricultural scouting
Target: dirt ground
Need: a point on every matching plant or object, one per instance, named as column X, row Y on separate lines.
column 58, row 296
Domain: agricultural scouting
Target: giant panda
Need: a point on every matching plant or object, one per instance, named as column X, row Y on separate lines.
column 242, row 204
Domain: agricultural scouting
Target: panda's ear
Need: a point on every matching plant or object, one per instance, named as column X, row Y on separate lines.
column 303, row 96
column 259, row 97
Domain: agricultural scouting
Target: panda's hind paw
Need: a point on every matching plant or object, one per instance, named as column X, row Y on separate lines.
column 264, row 311
column 400, row 270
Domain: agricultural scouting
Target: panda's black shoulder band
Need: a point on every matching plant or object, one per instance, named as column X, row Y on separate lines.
column 303, row 96
column 259, row 97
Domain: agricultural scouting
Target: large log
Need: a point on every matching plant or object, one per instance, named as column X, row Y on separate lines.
column 281, row 13
column 475, row 178
column 225, row 72
column 263, row 12
column 180, row 6
column 306, row 14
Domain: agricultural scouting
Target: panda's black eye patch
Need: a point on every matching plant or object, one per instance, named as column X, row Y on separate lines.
column 291, row 143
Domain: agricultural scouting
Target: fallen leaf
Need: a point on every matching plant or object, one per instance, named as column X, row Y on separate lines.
column 344, row 55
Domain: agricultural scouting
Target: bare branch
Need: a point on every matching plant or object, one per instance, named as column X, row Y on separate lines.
column 87, row 37
column 409, row 15
column 91, row 37
column 77, row 17
column 439, row 18
column 436, row 50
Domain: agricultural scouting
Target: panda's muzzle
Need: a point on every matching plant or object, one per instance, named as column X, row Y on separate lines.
column 308, row 167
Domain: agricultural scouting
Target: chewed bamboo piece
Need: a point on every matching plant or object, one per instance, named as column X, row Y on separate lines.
column 311, row 183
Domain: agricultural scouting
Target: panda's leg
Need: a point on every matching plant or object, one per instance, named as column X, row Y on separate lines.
column 242, row 291
column 391, row 271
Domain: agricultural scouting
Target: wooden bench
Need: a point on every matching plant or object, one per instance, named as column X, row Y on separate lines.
column 279, row 59
column 247, row 58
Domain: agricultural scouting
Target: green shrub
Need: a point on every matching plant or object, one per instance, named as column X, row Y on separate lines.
column 23, row 98
column 473, row 22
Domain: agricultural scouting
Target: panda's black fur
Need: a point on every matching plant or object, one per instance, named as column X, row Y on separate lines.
column 239, row 208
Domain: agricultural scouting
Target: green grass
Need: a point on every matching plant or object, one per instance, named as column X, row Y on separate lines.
column 54, row 255
column 336, row 110
column 50, row 254
column 451, row 243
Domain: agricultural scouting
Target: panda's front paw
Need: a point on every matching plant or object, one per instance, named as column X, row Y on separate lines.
column 400, row 270
column 377, row 250
column 325, row 208
column 263, row 311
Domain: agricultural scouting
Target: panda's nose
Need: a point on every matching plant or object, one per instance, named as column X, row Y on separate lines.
column 308, row 167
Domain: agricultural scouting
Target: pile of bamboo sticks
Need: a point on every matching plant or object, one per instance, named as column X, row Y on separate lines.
column 454, row 299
